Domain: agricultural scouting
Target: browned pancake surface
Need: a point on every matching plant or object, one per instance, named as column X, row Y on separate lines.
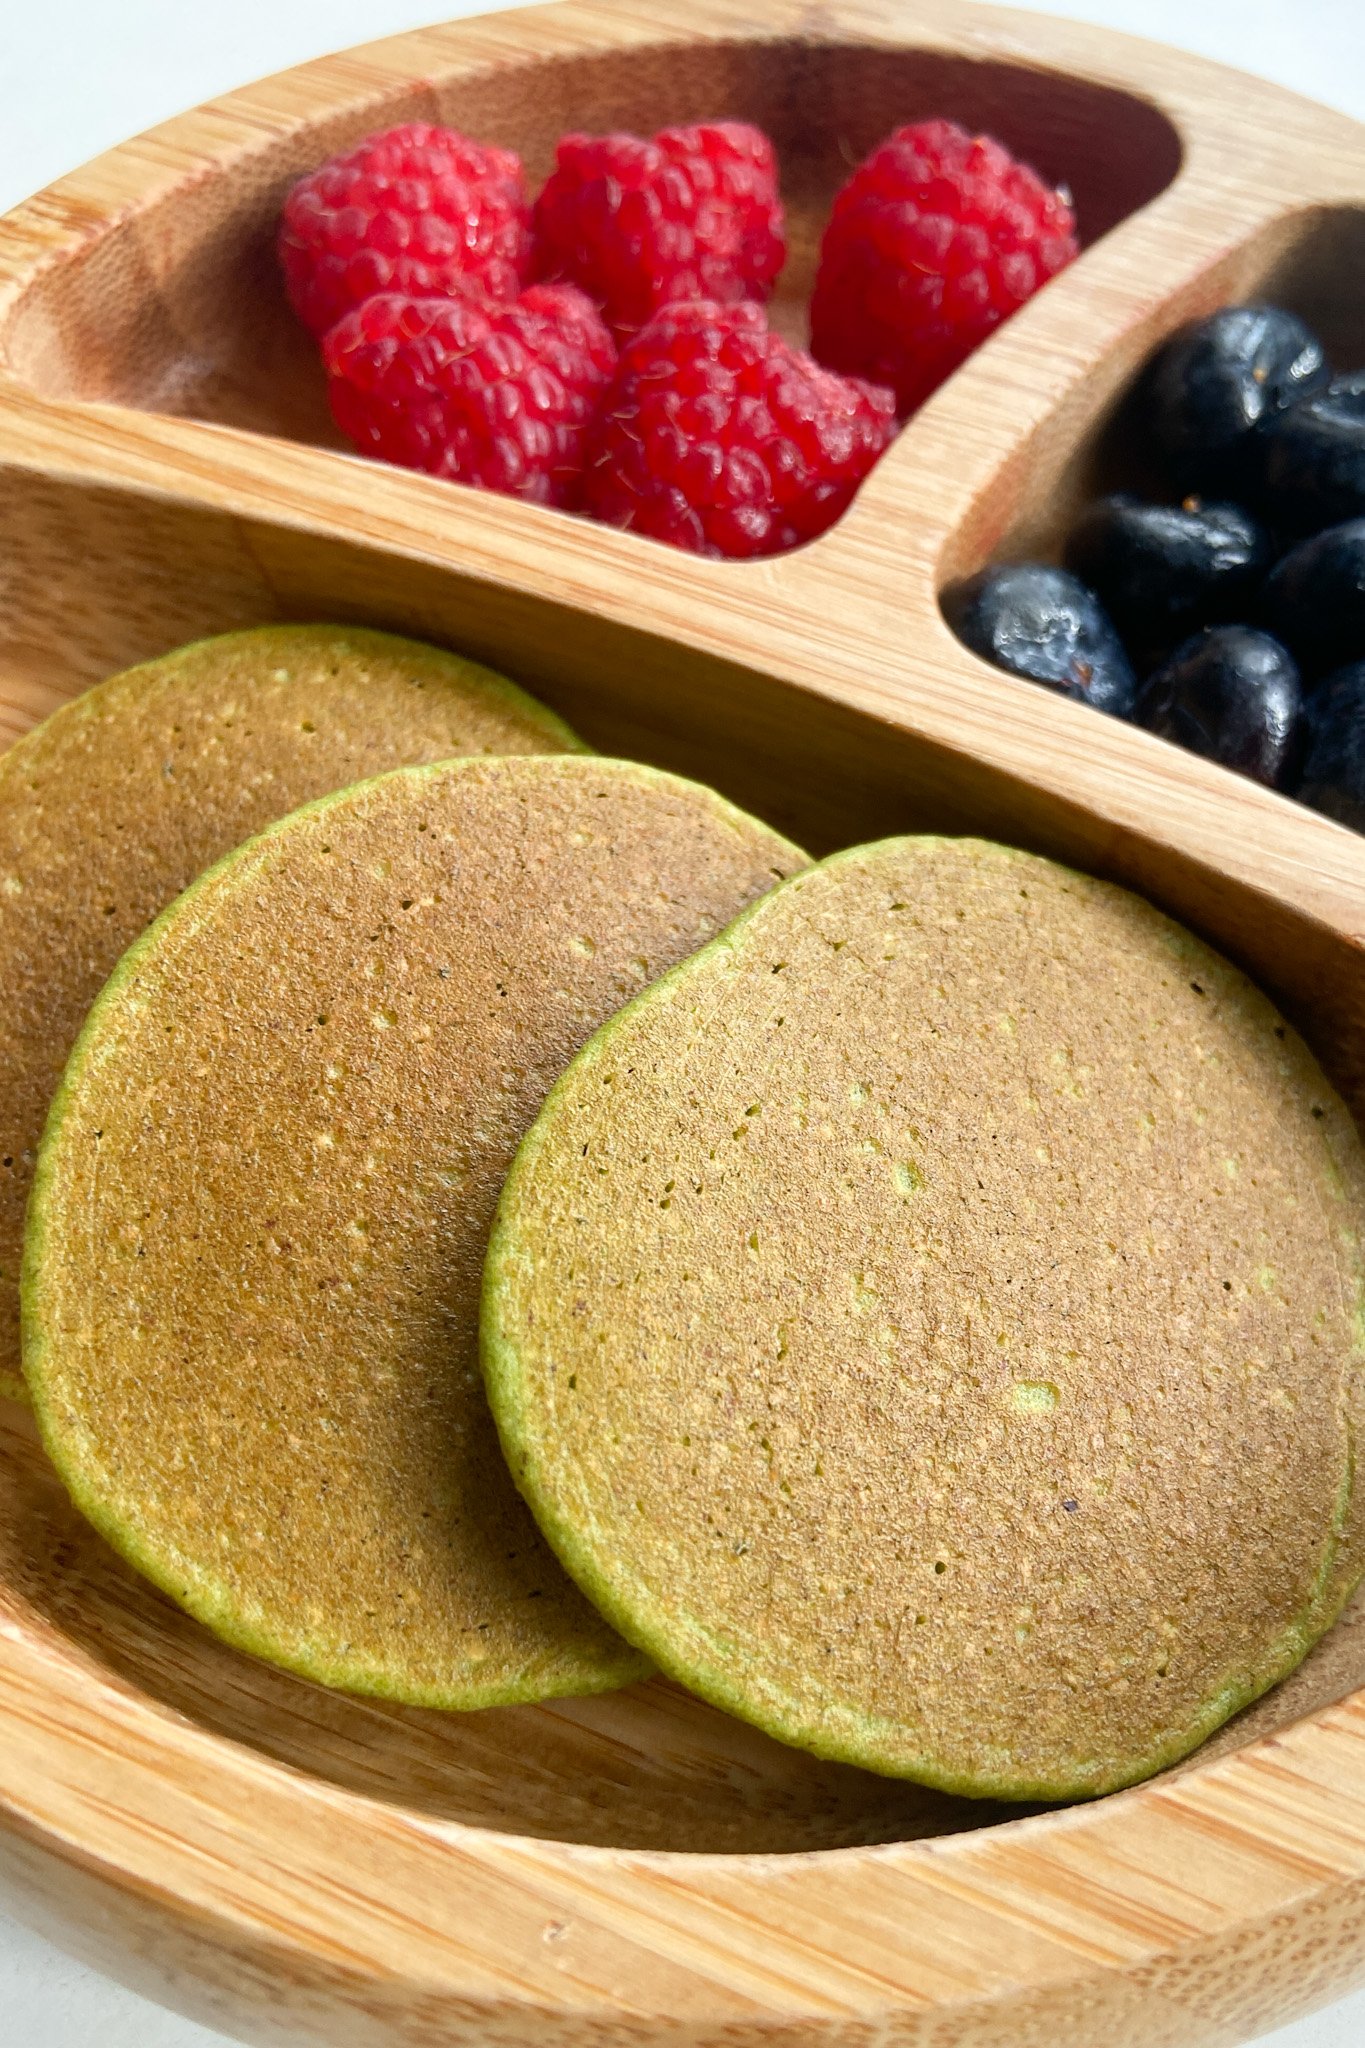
column 116, row 803
column 922, row 1323
column 262, row 1205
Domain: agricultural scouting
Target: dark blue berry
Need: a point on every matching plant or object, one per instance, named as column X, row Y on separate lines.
column 1042, row 623
column 1334, row 772
column 1314, row 459
column 1315, row 599
column 1161, row 570
column 1215, row 383
column 1233, row 695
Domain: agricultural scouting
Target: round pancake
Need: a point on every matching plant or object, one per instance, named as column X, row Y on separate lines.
column 262, row 1202
column 924, row 1324
column 113, row 806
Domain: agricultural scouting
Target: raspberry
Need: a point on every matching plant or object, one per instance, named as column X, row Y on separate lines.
column 718, row 436
column 936, row 238
column 694, row 214
column 489, row 394
column 418, row 210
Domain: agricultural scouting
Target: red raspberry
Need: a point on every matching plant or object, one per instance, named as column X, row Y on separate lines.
column 936, row 238
column 694, row 214
column 489, row 394
column 418, row 210
column 718, row 436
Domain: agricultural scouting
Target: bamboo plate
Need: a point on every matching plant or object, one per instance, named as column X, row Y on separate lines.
column 636, row 1871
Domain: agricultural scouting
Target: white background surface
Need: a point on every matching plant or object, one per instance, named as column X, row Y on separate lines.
column 81, row 75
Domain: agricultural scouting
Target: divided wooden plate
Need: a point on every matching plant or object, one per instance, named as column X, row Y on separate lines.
column 298, row 1866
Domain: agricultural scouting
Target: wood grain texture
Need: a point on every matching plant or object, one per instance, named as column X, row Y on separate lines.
column 296, row 1866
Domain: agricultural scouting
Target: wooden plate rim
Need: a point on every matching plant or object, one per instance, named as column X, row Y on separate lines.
column 112, row 1781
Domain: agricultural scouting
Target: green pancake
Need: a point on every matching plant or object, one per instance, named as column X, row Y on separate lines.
column 926, row 1324
column 114, row 804
column 259, row 1217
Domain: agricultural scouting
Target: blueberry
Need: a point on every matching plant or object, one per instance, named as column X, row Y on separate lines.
column 1315, row 599
column 1233, row 695
column 1314, row 458
column 1161, row 570
column 1213, row 384
column 1042, row 623
column 1334, row 772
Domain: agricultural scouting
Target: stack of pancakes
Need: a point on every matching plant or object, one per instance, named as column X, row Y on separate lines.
column 923, row 1304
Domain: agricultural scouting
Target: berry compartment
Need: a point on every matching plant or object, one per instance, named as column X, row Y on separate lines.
column 1099, row 441
column 181, row 310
